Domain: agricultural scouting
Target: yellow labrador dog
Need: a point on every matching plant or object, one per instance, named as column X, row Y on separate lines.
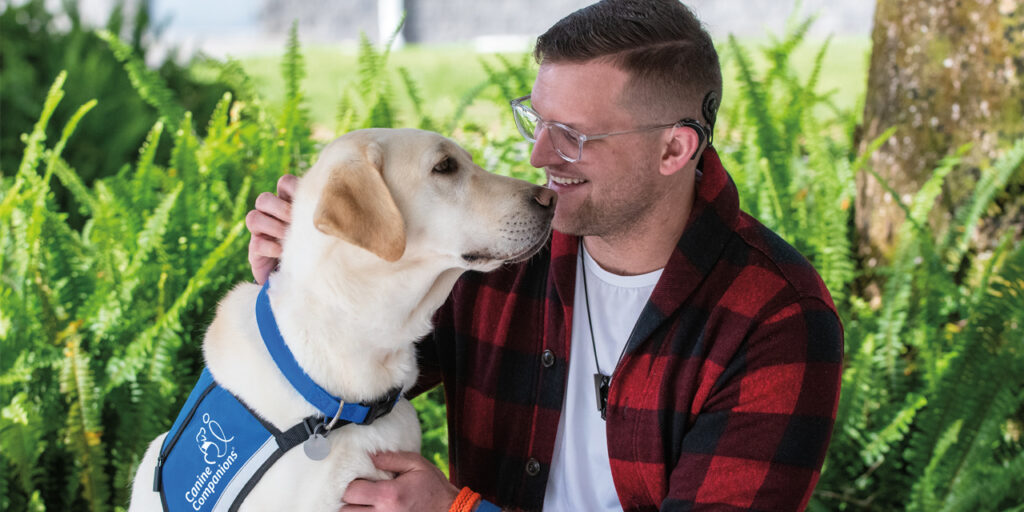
column 383, row 225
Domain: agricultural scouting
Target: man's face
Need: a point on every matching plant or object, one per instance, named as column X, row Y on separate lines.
column 616, row 181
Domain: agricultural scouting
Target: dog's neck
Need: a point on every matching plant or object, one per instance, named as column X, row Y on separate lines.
column 357, row 316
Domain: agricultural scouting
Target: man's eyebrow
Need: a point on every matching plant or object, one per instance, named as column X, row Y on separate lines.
column 570, row 124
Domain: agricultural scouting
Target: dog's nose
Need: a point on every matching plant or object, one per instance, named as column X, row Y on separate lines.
column 545, row 197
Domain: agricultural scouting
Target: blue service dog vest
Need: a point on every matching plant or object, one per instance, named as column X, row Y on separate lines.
column 218, row 449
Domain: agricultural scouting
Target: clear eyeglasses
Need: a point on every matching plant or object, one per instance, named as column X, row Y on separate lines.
column 566, row 140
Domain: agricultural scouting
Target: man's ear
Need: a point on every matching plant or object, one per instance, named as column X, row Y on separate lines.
column 356, row 206
column 682, row 143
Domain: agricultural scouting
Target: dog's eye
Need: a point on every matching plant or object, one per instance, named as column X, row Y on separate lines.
column 446, row 166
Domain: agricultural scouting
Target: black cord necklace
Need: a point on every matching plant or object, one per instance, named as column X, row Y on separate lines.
column 601, row 381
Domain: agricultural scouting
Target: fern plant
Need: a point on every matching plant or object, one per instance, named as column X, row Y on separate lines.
column 101, row 325
column 789, row 165
column 931, row 406
column 931, row 401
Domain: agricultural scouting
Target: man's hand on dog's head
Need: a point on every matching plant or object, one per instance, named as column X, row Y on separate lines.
column 268, row 223
column 418, row 486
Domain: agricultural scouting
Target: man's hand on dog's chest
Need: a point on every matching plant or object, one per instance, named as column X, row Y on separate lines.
column 418, row 486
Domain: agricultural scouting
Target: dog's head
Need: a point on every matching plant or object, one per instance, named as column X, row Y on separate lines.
column 412, row 194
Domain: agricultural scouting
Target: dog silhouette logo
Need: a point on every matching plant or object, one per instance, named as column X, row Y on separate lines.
column 211, row 440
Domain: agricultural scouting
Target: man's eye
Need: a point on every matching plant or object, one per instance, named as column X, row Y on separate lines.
column 569, row 137
column 446, row 166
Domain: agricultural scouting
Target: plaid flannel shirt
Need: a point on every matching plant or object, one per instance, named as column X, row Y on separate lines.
column 725, row 398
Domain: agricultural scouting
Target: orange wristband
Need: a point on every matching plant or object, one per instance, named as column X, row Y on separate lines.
column 466, row 501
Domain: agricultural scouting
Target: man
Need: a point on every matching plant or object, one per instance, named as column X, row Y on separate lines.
column 715, row 346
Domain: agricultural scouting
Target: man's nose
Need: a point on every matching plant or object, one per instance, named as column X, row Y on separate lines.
column 543, row 153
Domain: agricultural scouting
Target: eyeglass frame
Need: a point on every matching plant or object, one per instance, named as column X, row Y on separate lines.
column 517, row 104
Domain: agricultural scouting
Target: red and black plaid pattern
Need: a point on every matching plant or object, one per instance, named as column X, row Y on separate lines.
column 725, row 398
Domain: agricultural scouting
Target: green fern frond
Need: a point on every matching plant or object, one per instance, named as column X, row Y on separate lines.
column 464, row 103
column 69, row 128
column 137, row 354
column 34, row 143
column 70, row 179
column 767, row 136
column 148, row 83
column 924, row 491
column 980, row 462
column 118, row 301
column 241, row 202
column 780, row 52
column 147, row 178
column 84, row 431
column 232, row 73
column 219, row 121
column 861, row 162
column 21, row 437
column 1002, row 486
column 987, row 271
column 987, row 360
column 819, row 64
column 887, row 438
column 66, row 175
column 416, row 98
column 393, row 37
column 381, row 113
column 992, row 181
column 186, row 166
column 293, row 67
column 370, row 66
column 293, row 128
column 345, row 116
column 500, row 79
column 924, row 200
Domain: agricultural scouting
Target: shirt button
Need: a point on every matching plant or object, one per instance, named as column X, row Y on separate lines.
column 532, row 467
column 547, row 358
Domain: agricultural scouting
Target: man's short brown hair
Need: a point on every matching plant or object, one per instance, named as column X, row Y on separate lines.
column 660, row 43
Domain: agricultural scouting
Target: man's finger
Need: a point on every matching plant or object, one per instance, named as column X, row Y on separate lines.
column 274, row 206
column 264, row 255
column 399, row 462
column 286, row 187
column 260, row 223
column 367, row 492
column 263, row 247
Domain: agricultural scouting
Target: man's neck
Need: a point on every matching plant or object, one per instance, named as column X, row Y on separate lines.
column 648, row 244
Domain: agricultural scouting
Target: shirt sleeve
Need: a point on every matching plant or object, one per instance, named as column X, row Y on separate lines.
column 760, row 438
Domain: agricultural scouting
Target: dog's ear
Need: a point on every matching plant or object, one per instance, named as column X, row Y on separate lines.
column 357, row 206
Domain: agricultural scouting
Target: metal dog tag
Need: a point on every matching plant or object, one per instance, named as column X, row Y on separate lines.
column 316, row 447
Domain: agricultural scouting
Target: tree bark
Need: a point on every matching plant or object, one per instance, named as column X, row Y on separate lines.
column 946, row 73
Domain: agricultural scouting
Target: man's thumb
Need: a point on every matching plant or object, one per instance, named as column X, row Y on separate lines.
column 398, row 462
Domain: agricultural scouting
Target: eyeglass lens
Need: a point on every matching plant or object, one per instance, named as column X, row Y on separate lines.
column 564, row 142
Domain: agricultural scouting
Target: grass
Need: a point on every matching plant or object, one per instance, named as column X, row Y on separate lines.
column 445, row 73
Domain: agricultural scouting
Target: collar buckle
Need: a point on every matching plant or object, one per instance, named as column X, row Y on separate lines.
column 381, row 407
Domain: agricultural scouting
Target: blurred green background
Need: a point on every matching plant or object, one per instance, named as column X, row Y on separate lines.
column 121, row 225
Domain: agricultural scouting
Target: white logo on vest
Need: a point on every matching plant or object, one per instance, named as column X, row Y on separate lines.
column 212, row 443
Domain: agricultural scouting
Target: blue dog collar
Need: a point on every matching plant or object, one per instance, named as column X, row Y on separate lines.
column 328, row 405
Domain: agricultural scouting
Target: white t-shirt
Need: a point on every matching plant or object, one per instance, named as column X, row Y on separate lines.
column 581, row 476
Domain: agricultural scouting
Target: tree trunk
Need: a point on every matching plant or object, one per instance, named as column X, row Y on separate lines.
column 946, row 72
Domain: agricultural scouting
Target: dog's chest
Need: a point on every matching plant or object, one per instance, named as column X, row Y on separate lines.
column 296, row 482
